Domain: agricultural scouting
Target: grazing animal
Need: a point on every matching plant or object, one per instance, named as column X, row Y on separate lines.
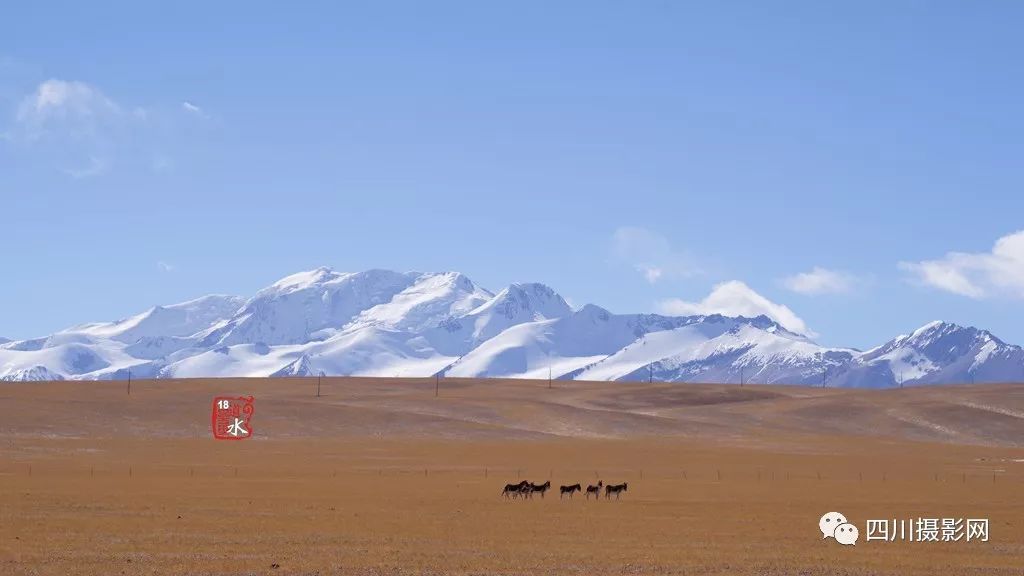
column 514, row 489
column 595, row 490
column 616, row 489
column 570, row 490
column 542, row 488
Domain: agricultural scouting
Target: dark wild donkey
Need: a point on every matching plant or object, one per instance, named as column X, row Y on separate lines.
column 570, row 490
column 542, row 488
column 514, row 489
column 616, row 489
column 595, row 490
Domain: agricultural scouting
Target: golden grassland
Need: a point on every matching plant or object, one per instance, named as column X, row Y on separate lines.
column 382, row 477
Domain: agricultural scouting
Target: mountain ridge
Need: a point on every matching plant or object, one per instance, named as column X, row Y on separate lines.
column 385, row 323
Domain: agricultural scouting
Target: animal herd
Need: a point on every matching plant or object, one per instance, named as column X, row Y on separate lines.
column 526, row 490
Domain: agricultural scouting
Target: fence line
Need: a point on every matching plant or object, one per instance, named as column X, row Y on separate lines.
column 758, row 475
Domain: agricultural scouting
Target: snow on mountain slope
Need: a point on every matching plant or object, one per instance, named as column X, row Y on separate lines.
column 516, row 304
column 383, row 323
column 71, row 356
column 371, row 351
column 299, row 367
column 296, row 308
column 729, row 350
column 565, row 344
column 157, row 347
column 417, row 333
column 377, row 351
column 698, row 340
column 179, row 320
column 31, row 374
column 244, row 360
column 431, row 299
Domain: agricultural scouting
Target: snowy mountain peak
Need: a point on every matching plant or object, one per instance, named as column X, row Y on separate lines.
column 940, row 334
column 938, row 352
column 294, row 308
column 534, row 300
column 300, row 367
column 307, row 279
column 931, row 327
column 31, row 374
column 593, row 312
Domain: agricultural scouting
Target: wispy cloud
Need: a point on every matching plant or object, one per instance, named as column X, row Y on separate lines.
column 976, row 274
column 69, row 108
column 164, row 266
column 735, row 298
column 194, row 109
column 75, row 126
column 95, row 167
column 821, row 281
column 84, row 132
column 650, row 254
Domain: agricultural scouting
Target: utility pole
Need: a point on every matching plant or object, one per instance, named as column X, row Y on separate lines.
column 437, row 384
column 129, row 381
column 650, row 373
column 318, row 376
column 824, row 373
column 741, row 376
column 549, row 376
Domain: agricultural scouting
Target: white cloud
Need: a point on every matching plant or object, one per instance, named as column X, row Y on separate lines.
column 979, row 274
column 164, row 266
column 734, row 298
column 820, row 281
column 650, row 254
column 66, row 106
column 76, row 127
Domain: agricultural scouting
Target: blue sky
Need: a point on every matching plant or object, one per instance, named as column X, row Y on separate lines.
column 849, row 168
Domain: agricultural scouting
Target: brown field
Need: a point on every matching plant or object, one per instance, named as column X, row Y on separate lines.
column 382, row 477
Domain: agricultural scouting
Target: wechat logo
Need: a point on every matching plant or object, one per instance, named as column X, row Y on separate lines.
column 835, row 525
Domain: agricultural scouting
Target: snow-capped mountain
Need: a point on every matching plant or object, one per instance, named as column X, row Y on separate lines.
column 305, row 306
column 936, row 353
column 384, row 323
column 721, row 349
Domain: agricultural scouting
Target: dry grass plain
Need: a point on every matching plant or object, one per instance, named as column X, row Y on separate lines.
column 382, row 477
